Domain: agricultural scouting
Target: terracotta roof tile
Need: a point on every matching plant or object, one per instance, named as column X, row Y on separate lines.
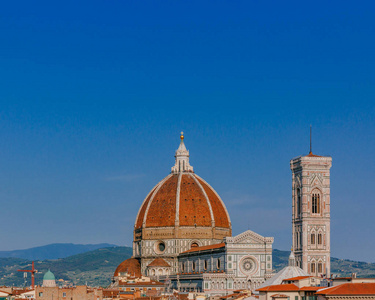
column 162, row 210
column 219, row 211
column 279, row 288
column 131, row 266
column 194, row 209
column 279, row 296
column 159, row 262
column 349, row 289
column 203, row 248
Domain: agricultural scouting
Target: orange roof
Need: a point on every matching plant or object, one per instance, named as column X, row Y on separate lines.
column 349, row 289
column 297, row 278
column 196, row 201
column 209, row 247
column 130, row 266
column 279, row 288
column 311, row 288
column 159, row 262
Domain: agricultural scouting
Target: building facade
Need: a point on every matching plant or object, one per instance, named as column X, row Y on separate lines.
column 311, row 213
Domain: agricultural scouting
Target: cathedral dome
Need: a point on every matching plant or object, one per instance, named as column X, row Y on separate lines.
column 130, row 266
column 183, row 200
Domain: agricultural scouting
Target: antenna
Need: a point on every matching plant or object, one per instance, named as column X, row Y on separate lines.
column 310, row 139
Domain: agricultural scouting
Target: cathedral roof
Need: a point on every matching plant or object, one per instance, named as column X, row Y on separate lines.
column 159, row 262
column 130, row 266
column 182, row 199
column 203, row 248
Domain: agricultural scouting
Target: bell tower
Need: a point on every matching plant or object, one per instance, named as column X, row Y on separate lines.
column 311, row 213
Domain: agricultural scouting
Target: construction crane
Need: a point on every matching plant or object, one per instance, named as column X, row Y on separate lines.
column 32, row 271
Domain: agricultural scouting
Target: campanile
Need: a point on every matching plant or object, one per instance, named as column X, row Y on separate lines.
column 311, row 213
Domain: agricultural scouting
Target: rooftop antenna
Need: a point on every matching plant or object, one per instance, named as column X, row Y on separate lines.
column 310, row 140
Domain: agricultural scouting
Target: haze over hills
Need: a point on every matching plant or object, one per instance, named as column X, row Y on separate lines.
column 53, row 251
column 96, row 267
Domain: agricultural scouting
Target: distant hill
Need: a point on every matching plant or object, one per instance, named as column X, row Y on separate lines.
column 53, row 251
column 96, row 267
column 339, row 267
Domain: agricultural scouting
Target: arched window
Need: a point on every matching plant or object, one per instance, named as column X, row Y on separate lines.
column 319, row 239
column 319, row 267
column 194, row 245
column 315, row 203
column 313, row 239
column 313, row 268
column 298, row 203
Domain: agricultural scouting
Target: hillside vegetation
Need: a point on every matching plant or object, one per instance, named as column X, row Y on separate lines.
column 96, row 267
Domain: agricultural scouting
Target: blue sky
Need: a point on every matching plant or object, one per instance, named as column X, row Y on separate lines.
column 93, row 97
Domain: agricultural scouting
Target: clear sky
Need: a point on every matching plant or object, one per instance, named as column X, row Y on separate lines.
column 94, row 94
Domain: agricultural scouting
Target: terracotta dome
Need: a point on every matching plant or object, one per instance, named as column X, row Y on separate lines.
column 183, row 200
column 130, row 266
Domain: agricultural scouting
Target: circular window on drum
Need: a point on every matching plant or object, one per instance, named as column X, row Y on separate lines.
column 248, row 265
column 159, row 247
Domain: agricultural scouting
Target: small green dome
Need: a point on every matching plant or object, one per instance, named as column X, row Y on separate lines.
column 49, row 276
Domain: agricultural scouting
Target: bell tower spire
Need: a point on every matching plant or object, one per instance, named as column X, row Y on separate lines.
column 182, row 158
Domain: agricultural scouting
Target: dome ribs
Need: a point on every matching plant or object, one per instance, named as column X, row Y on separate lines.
column 193, row 208
column 142, row 211
column 220, row 213
column 161, row 207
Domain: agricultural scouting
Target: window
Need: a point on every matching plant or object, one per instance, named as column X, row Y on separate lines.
column 315, row 203
column 206, row 285
column 295, row 297
column 230, row 266
column 313, row 268
column 193, row 266
column 205, row 264
column 40, row 294
column 159, row 247
column 319, row 267
column 183, row 267
column 218, row 263
column 64, row 295
column 298, row 203
column 194, row 245
column 313, row 239
column 319, row 238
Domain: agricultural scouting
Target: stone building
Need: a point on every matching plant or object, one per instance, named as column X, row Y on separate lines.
column 311, row 213
column 69, row 293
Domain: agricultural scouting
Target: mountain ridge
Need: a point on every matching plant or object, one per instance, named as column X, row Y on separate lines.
column 53, row 251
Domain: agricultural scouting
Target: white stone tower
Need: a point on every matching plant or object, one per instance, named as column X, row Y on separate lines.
column 311, row 213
